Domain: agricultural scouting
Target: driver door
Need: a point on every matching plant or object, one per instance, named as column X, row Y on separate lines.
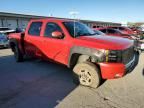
column 54, row 48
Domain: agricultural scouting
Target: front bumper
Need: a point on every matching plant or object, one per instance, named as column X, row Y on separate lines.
column 115, row 70
column 2, row 45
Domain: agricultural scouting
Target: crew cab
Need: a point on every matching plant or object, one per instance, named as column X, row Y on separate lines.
column 92, row 57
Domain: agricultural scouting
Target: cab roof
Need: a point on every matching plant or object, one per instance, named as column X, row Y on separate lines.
column 51, row 19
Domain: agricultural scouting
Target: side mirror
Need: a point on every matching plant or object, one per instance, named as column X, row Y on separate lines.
column 57, row 34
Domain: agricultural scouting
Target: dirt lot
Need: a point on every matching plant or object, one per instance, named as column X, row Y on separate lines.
column 39, row 84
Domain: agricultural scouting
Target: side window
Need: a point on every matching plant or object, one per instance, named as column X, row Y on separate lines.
column 111, row 31
column 121, row 28
column 51, row 27
column 114, row 27
column 35, row 28
column 103, row 30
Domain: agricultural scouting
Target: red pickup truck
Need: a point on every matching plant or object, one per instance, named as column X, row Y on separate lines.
column 92, row 57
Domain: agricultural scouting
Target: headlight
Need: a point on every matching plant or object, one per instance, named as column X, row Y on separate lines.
column 107, row 56
column 99, row 56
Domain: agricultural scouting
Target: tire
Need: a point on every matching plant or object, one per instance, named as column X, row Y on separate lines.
column 18, row 55
column 87, row 74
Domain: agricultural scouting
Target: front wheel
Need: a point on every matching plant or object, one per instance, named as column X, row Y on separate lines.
column 18, row 55
column 87, row 74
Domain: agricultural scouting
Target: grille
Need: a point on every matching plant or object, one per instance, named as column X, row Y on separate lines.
column 127, row 55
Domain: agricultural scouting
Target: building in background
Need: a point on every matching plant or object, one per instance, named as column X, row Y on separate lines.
column 135, row 24
column 13, row 21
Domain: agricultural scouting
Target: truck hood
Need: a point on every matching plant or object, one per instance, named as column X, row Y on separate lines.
column 107, row 42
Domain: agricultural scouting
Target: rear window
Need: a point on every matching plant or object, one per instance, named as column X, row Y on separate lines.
column 35, row 28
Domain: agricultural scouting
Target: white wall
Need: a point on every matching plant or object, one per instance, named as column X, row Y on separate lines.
column 25, row 23
column 12, row 23
column 22, row 23
column 0, row 23
column 4, row 22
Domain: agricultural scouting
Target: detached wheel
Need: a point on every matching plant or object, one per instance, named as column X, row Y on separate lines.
column 18, row 55
column 87, row 74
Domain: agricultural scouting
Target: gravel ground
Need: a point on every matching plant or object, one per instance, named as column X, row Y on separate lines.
column 40, row 84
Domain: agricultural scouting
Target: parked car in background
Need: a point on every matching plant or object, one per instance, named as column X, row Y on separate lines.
column 97, row 26
column 4, row 42
column 124, row 30
column 115, row 32
column 97, row 32
column 142, row 28
column 136, row 29
column 6, row 30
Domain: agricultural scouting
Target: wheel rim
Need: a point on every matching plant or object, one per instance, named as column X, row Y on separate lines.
column 85, row 77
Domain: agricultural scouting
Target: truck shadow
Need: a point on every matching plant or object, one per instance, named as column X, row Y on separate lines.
column 33, row 83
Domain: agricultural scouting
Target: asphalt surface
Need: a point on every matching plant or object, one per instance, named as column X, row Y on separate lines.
column 41, row 84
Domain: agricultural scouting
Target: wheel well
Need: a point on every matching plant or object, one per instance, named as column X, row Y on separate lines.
column 73, row 60
column 76, row 57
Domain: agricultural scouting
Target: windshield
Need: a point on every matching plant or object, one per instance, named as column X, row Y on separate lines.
column 80, row 29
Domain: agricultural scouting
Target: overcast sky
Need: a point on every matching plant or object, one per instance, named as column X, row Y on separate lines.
column 99, row 10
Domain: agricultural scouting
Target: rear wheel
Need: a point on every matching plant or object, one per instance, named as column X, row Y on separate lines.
column 87, row 74
column 18, row 55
